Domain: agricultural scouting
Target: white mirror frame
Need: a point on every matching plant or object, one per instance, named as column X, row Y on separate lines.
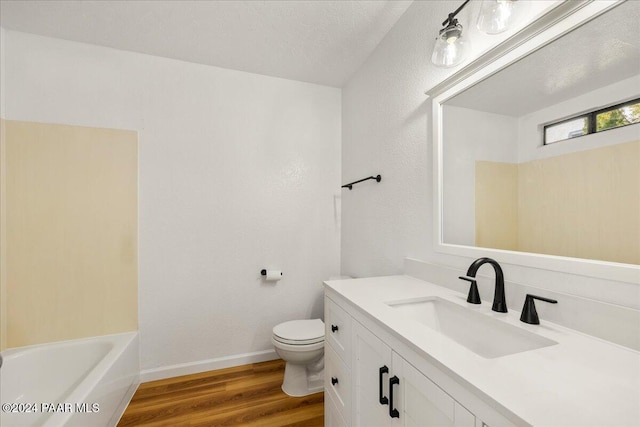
column 559, row 21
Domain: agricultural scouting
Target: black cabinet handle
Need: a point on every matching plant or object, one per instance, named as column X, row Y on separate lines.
column 334, row 328
column 383, row 399
column 334, row 380
column 393, row 412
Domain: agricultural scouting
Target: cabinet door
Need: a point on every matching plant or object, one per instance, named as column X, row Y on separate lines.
column 369, row 355
column 332, row 415
column 421, row 403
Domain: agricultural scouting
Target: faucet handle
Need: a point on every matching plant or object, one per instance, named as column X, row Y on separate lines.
column 474, row 295
column 529, row 313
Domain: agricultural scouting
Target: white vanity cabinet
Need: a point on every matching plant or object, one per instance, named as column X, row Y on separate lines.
column 337, row 365
column 371, row 373
column 439, row 381
column 389, row 391
column 422, row 403
column 384, row 389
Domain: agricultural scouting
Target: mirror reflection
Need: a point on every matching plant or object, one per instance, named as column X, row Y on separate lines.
column 544, row 155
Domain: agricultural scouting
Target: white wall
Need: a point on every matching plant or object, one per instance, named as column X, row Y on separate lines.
column 2, row 69
column 471, row 135
column 237, row 172
column 386, row 129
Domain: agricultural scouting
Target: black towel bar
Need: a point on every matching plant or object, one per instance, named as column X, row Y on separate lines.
column 378, row 178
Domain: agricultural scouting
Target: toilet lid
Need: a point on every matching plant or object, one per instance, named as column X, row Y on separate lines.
column 300, row 331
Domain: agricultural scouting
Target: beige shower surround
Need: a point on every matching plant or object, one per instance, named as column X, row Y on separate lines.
column 584, row 204
column 69, row 232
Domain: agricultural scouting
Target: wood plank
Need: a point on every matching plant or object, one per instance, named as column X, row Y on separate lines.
column 248, row 395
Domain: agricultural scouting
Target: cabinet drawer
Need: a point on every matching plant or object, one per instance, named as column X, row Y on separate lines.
column 332, row 415
column 338, row 330
column 337, row 383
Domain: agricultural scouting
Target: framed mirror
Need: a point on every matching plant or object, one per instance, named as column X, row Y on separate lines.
column 537, row 146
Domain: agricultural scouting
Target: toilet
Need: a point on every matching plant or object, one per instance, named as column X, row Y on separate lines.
column 300, row 343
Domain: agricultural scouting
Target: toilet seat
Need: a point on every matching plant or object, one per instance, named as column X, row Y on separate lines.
column 299, row 332
column 298, row 348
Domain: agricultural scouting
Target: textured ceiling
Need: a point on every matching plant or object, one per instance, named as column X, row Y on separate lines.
column 597, row 54
column 321, row 41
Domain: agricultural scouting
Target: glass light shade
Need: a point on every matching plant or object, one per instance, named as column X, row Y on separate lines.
column 497, row 16
column 451, row 47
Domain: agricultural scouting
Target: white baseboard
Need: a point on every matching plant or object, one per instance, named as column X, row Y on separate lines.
column 206, row 365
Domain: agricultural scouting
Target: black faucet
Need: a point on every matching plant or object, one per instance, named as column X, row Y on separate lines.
column 499, row 300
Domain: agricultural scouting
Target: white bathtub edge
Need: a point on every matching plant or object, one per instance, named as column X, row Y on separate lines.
column 113, row 373
column 206, row 365
column 119, row 412
column 121, row 377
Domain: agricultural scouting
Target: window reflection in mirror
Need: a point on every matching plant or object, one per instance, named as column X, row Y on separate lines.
column 504, row 188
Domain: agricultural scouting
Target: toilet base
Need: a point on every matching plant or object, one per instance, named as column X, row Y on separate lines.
column 303, row 380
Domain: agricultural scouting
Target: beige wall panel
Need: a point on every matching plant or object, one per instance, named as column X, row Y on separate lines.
column 496, row 205
column 3, row 239
column 71, row 219
column 584, row 205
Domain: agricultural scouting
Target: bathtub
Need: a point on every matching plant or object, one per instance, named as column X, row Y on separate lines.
column 84, row 382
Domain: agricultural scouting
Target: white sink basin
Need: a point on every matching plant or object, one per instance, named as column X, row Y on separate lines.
column 482, row 334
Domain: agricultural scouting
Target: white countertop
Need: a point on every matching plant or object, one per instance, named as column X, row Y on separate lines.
column 581, row 381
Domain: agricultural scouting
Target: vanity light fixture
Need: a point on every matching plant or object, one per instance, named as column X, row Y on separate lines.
column 497, row 16
column 452, row 46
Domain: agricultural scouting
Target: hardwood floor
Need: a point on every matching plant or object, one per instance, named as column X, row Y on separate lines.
column 247, row 395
